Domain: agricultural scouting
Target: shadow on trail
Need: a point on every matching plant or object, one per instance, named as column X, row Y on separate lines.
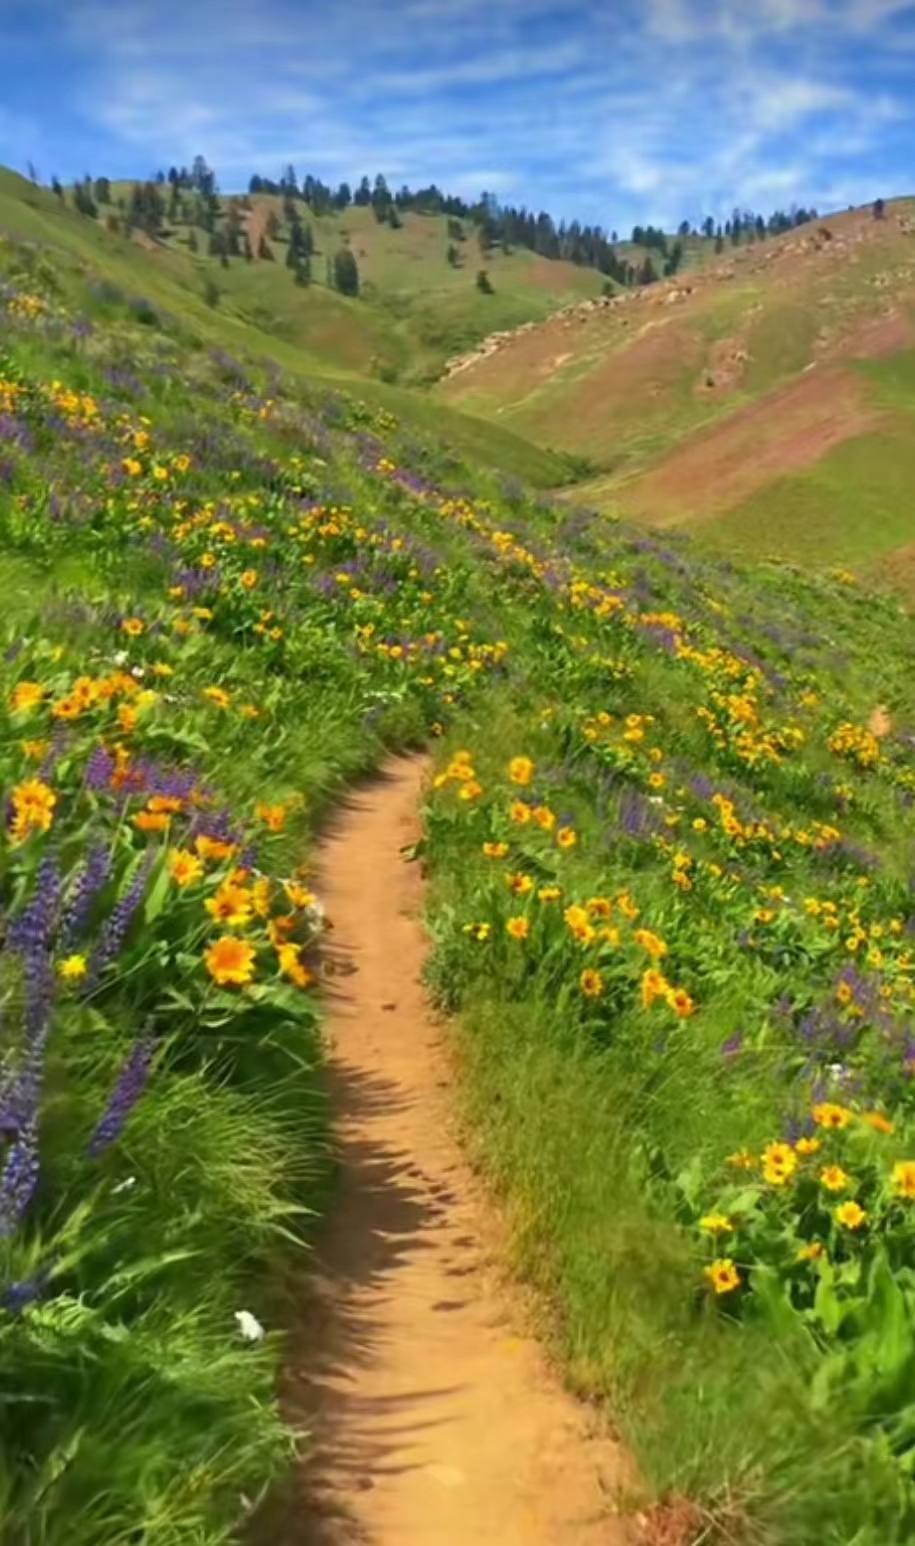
column 382, row 1210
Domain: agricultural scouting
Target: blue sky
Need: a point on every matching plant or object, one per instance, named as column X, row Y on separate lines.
column 612, row 110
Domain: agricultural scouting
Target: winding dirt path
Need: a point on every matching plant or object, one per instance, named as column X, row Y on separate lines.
column 435, row 1420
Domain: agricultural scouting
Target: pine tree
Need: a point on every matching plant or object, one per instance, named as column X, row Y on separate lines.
column 484, row 283
column 346, row 272
column 454, row 256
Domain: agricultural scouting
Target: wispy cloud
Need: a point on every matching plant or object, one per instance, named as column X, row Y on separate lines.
column 653, row 111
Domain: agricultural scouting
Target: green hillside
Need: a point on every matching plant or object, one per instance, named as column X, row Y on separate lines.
column 668, row 843
column 171, row 284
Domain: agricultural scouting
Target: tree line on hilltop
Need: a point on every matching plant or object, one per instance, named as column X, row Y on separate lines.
column 190, row 196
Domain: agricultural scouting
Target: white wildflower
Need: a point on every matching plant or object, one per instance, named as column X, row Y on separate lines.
column 249, row 1326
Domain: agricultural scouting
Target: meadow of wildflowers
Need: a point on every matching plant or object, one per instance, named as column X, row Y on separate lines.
column 670, row 866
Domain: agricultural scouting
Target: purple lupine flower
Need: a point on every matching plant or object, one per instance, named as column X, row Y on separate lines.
column 733, row 1045
column 114, row 930
column 130, row 1086
column 19, row 1180
column 100, row 769
column 93, row 877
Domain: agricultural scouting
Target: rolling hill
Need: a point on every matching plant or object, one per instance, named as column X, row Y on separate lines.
column 324, row 338
column 766, row 401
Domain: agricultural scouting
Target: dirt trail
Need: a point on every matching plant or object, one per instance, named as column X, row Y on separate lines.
column 435, row 1421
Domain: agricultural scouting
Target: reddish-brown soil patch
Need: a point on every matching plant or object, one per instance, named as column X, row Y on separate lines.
column 256, row 225
column 876, row 336
column 785, row 431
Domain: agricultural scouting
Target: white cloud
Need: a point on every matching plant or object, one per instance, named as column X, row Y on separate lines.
column 683, row 107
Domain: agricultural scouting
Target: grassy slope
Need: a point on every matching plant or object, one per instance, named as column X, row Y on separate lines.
column 171, row 281
column 416, row 311
column 625, row 388
column 606, row 1122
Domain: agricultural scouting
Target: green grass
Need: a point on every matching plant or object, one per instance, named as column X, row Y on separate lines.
column 650, row 683
column 852, row 507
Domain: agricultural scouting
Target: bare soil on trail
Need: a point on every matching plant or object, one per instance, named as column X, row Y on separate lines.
column 434, row 1417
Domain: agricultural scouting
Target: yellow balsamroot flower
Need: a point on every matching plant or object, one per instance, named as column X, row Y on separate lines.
column 723, row 1275
column 133, row 627
column 184, row 867
column 878, row 1121
column 273, row 816
column 566, row 837
column 291, row 966
column 680, row 1002
column 217, row 695
column 591, row 983
column 903, row 1178
column 716, row 1224
column 599, row 907
column 471, row 790
column 827, row 1114
column 151, row 821
column 520, row 812
column 653, row 986
column 812, row 1252
column 627, row 906
column 495, row 850
column 656, row 780
column 518, row 928
column 213, row 848
column 249, row 578
column 72, row 968
column 36, row 750
column 650, row 943
column 520, row 884
column 549, row 894
column 521, row 770
column 33, row 804
column 169, row 804
column 805, row 1146
column 544, row 818
column 478, row 931
column 576, row 917
column 26, row 695
column 743, row 1160
column 779, row 1163
column 230, row 961
column 232, row 905
column 850, row 1215
column 834, row 1178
